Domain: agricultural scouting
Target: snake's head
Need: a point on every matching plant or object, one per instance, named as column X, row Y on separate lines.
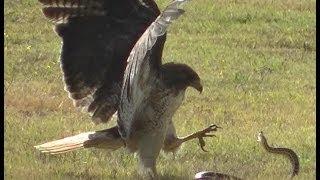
column 260, row 136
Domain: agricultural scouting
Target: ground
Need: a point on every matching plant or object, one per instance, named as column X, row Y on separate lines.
column 256, row 59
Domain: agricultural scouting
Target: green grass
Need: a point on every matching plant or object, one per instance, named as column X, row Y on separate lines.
column 256, row 59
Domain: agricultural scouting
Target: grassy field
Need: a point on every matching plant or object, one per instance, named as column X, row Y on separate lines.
column 256, row 59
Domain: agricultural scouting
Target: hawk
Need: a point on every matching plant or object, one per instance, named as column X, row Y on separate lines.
column 111, row 59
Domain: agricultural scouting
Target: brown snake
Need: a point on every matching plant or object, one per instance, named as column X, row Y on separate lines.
column 290, row 154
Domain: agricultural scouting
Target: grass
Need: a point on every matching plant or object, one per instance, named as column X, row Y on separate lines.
column 256, row 59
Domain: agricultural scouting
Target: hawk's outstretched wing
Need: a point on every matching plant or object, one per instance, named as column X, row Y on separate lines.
column 97, row 36
column 143, row 66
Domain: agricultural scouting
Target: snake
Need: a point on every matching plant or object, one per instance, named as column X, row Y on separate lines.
column 289, row 153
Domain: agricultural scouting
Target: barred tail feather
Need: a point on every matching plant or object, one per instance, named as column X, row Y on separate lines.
column 65, row 145
column 105, row 139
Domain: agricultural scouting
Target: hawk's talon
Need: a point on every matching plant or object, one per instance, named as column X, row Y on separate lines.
column 202, row 144
column 214, row 127
column 203, row 133
column 199, row 135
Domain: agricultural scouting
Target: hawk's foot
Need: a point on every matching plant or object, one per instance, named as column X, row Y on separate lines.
column 201, row 134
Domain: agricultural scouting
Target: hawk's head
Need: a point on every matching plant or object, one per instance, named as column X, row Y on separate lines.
column 181, row 76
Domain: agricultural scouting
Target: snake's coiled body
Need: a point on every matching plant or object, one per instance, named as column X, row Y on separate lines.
column 209, row 175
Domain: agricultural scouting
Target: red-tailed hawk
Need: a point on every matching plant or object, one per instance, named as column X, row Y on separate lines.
column 111, row 62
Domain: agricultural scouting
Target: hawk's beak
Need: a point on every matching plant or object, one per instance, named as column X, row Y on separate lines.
column 197, row 85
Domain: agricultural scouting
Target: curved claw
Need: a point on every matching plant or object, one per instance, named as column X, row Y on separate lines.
column 202, row 134
column 202, row 144
column 214, row 127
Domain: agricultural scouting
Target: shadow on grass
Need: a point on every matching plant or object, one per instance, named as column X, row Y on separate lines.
column 73, row 175
column 171, row 177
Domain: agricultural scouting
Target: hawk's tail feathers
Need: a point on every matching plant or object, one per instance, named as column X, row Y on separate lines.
column 105, row 139
column 65, row 145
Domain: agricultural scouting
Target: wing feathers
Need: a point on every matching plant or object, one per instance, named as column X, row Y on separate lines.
column 148, row 39
column 143, row 64
column 57, row 14
column 97, row 38
column 72, row 3
column 61, row 10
